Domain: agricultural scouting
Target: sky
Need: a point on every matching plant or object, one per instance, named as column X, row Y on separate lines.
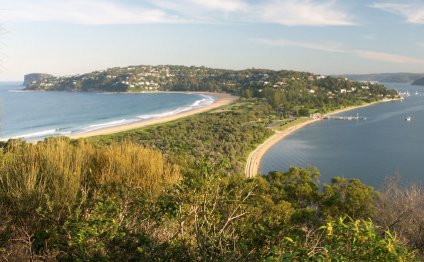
column 65, row 37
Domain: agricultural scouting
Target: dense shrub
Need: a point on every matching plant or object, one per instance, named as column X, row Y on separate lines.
column 59, row 196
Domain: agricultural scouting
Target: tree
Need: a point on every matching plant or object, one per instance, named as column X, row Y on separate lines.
column 348, row 196
column 277, row 98
column 248, row 93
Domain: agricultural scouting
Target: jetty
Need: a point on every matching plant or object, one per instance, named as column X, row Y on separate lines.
column 357, row 117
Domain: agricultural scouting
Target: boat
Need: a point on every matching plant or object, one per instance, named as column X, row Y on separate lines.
column 408, row 119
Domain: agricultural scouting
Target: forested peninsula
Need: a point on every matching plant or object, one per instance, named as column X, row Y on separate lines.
column 176, row 191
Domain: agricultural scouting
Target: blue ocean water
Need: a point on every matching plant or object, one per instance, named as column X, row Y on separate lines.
column 371, row 150
column 33, row 115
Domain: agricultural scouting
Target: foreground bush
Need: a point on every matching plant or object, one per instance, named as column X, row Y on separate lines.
column 59, row 169
column 57, row 195
column 72, row 201
column 342, row 240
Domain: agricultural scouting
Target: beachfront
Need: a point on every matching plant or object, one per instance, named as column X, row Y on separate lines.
column 255, row 157
column 222, row 99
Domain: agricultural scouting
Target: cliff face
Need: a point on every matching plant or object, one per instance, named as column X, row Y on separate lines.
column 35, row 77
column 419, row 82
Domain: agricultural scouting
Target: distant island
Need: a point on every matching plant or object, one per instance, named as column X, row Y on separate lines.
column 385, row 77
column 419, row 82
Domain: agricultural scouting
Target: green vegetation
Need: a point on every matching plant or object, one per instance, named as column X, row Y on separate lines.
column 222, row 137
column 66, row 200
column 111, row 199
column 125, row 202
column 344, row 240
column 34, row 78
column 226, row 136
column 281, row 125
column 177, row 192
column 289, row 93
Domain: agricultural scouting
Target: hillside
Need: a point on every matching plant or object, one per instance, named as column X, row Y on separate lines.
column 386, row 77
column 289, row 92
column 184, row 200
column 175, row 191
column 419, row 82
column 35, row 77
column 169, row 77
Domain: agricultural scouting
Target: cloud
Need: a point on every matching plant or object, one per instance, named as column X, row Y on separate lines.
column 202, row 11
column 218, row 5
column 338, row 48
column 328, row 47
column 290, row 13
column 103, row 12
column 305, row 12
column 93, row 12
column 413, row 12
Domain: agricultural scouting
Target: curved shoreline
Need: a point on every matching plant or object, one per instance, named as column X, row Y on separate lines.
column 222, row 99
column 255, row 157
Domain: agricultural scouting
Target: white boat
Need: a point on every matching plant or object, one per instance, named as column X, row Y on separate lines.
column 408, row 119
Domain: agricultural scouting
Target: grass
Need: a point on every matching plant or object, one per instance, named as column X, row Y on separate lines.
column 60, row 170
column 287, row 123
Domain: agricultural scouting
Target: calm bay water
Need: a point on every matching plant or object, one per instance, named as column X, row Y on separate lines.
column 35, row 115
column 383, row 145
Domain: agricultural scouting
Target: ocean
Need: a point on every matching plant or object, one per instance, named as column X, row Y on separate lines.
column 34, row 115
column 371, row 150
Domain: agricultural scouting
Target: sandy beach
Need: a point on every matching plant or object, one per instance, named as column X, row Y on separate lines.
column 255, row 157
column 222, row 99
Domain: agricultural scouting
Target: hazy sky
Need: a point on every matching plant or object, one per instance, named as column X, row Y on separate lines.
column 65, row 37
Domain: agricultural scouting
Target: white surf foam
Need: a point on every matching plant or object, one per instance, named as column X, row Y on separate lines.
column 20, row 91
column 108, row 124
column 205, row 101
column 40, row 134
